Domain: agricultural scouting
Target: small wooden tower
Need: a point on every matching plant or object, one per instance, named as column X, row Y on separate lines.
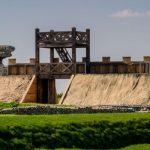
column 58, row 41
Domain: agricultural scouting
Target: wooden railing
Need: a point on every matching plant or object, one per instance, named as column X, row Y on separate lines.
column 63, row 37
column 61, row 68
column 56, row 68
column 46, row 69
column 70, row 68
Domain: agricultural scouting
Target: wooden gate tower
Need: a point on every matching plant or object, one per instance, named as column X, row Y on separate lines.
column 58, row 41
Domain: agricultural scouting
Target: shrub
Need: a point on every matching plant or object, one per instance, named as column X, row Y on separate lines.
column 14, row 104
column 58, row 97
column 97, row 135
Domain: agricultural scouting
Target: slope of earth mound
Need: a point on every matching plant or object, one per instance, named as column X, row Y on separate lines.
column 13, row 87
column 108, row 89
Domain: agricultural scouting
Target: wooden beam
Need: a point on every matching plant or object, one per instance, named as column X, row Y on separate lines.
column 39, row 90
column 37, row 51
column 37, row 61
column 55, row 76
column 74, row 45
column 88, row 51
column 51, row 55
column 51, row 91
column 74, row 48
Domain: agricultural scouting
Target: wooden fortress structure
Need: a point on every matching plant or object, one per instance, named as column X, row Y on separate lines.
column 66, row 65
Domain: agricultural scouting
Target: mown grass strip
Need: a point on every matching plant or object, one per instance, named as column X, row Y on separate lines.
column 137, row 147
column 31, row 120
column 4, row 105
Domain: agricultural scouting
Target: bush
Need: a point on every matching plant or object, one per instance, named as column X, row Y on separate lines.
column 58, row 97
column 97, row 135
column 14, row 104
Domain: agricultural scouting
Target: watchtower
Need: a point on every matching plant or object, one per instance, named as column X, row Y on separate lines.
column 59, row 41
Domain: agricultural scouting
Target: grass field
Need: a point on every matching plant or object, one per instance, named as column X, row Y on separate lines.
column 137, row 147
column 33, row 131
column 15, row 104
column 12, row 120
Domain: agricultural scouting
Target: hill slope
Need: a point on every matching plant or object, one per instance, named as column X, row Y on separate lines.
column 13, row 87
column 108, row 89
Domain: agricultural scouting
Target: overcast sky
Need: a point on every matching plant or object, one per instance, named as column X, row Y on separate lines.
column 118, row 27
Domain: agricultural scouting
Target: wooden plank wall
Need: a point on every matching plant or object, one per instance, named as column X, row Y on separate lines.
column 21, row 69
column 103, row 67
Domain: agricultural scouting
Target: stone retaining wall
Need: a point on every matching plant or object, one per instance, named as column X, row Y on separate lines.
column 73, row 110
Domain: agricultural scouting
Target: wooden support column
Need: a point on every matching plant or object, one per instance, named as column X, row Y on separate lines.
column 88, row 51
column 51, row 91
column 37, row 51
column 74, row 47
column 37, row 60
column 51, row 55
column 51, row 49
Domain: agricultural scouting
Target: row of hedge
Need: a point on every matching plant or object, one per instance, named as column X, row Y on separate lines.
column 93, row 135
column 69, row 110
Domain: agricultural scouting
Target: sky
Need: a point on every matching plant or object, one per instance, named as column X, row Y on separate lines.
column 118, row 27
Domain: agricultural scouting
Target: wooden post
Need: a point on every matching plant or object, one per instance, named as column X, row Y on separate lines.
column 88, row 51
column 74, row 47
column 51, row 91
column 37, row 52
column 51, row 49
column 37, row 61
column 51, row 55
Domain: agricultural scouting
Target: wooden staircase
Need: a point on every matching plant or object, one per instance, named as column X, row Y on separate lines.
column 64, row 55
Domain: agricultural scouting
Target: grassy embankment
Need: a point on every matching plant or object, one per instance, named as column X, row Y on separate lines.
column 137, row 147
column 15, row 104
column 29, row 120
column 101, row 130
column 90, row 134
column 62, row 118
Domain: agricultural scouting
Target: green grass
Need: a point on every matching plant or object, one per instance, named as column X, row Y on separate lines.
column 137, row 147
column 31, row 120
column 36, row 130
column 8, row 105
column 4, row 105
column 15, row 104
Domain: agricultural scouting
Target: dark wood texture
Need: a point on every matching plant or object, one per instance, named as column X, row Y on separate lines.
column 63, row 54
column 64, row 70
column 51, row 91
column 37, row 52
column 88, row 51
column 37, row 61
column 60, row 41
column 51, row 55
